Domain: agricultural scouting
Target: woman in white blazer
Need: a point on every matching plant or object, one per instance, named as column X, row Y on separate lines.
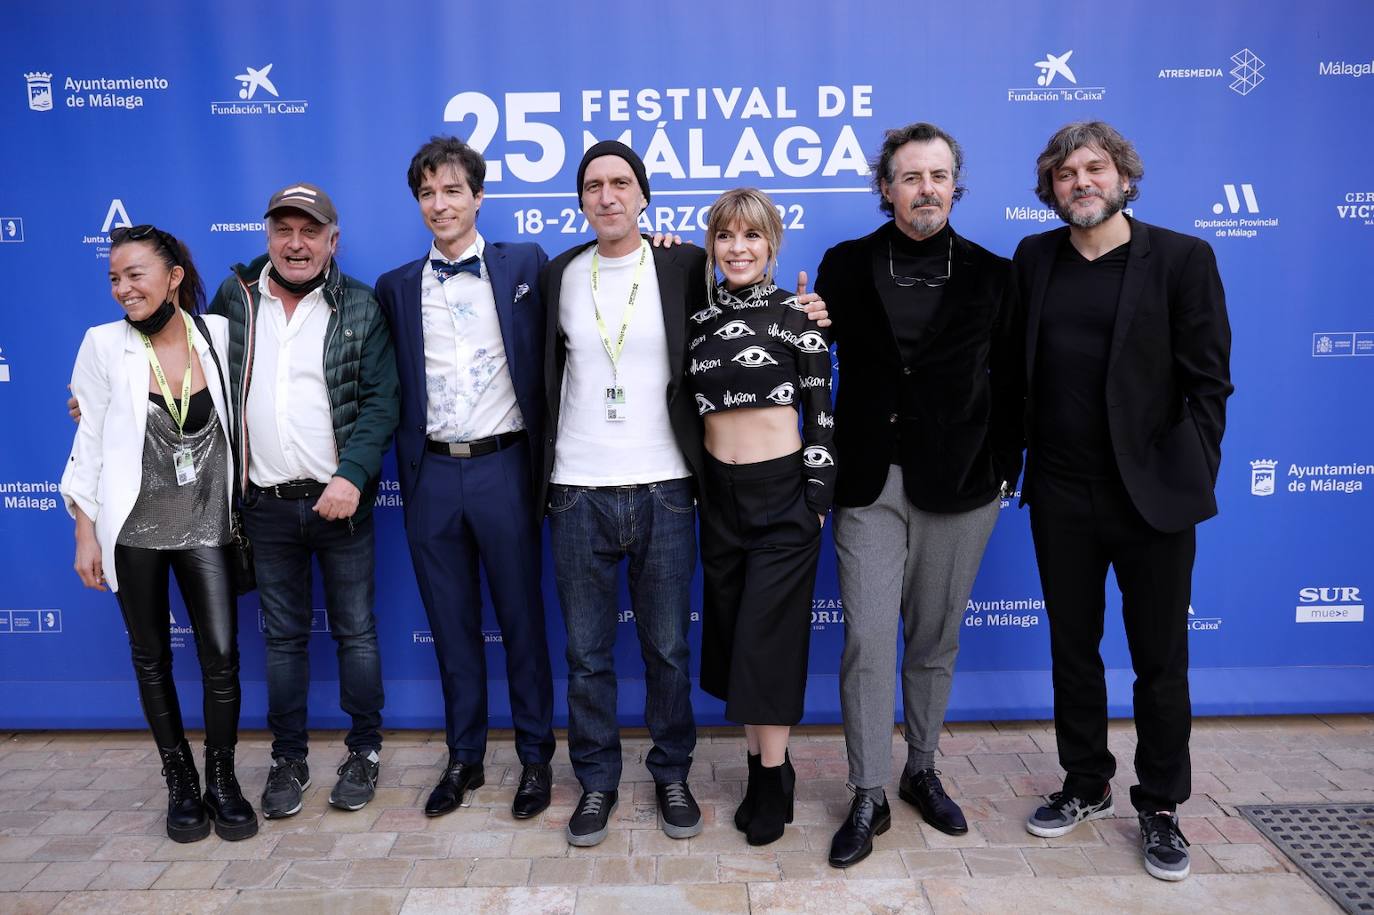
column 150, row 484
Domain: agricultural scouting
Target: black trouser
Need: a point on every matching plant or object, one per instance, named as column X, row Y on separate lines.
column 1081, row 527
column 760, row 544
column 204, row 579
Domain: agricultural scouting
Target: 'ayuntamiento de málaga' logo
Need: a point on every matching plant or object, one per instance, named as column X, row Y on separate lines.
column 40, row 91
column 1262, row 477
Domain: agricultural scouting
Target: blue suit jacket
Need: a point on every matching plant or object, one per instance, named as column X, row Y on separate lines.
column 514, row 272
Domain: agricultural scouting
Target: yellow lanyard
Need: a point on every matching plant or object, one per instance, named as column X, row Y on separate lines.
column 614, row 352
column 178, row 415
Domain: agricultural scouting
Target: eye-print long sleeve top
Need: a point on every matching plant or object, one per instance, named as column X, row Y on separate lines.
column 755, row 347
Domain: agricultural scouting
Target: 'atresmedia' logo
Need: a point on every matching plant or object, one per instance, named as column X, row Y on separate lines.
column 1246, row 71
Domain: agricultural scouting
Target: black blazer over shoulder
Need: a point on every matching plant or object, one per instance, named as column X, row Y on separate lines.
column 1168, row 371
column 955, row 409
column 681, row 272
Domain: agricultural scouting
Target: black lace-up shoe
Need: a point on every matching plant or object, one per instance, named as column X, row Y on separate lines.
column 357, row 782
column 588, row 825
column 224, row 801
column 458, row 779
column 868, row 817
column 187, row 820
column 678, row 812
column 536, row 787
column 924, row 791
column 286, row 784
column 1165, row 848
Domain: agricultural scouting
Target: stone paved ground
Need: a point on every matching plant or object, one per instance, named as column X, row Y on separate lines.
column 81, row 831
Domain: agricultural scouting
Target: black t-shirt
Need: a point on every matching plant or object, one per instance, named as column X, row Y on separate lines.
column 916, row 303
column 1071, row 437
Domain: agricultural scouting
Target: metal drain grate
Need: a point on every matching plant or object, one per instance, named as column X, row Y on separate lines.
column 1332, row 843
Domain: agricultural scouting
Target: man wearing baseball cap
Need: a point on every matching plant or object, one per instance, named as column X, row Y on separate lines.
column 313, row 379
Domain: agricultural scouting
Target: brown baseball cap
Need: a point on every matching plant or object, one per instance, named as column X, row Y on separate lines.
column 307, row 198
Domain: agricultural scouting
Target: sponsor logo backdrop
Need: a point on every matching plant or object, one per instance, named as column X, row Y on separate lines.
column 1253, row 127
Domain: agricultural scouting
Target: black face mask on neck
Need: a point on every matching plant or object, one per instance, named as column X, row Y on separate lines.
column 299, row 289
column 155, row 321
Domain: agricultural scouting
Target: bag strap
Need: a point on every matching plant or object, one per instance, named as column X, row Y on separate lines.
column 228, row 400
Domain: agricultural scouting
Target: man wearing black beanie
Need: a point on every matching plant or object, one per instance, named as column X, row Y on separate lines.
column 618, row 485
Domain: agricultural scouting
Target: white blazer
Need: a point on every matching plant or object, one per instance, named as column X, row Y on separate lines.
column 110, row 381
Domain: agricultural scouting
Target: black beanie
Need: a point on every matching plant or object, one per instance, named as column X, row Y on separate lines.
column 614, row 148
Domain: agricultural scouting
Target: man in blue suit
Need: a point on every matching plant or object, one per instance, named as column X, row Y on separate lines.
column 467, row 321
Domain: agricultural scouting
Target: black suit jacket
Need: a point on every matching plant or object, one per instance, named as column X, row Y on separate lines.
column 514, row 270
column 681, row 272
column 1168, row 371
column 955, row 410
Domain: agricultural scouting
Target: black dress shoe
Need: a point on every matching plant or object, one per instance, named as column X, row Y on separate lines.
column 854, row 840
column 459, row 778
column 924, row 791
column 536, row 786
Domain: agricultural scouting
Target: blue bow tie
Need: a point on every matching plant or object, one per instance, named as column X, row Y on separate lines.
column 445, row 269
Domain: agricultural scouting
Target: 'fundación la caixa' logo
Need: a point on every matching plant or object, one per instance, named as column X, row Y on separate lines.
column 252, row 81
column 1057, row 82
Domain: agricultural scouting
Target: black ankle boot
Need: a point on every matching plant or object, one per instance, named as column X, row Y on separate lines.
column 746, row 807
column 186, row 818
column 234, row 816
column 772, row 805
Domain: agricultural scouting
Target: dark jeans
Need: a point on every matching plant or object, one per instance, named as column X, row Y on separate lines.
column 1081, row 527
column 203, row 577
column 285, row 534
column 653, row 526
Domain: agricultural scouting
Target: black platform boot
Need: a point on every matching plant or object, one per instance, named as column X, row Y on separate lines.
column 234, row 816
column 186, row 817
column 772, row 805
column 746, row 807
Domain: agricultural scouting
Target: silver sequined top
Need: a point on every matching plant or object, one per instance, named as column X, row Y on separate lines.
column 171, row 517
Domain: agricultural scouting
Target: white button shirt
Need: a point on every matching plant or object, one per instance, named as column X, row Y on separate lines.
column 290, row 431
column 469, row 390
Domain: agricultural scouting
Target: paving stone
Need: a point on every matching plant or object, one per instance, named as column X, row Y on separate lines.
column 190, row 875
column 314, row 873
column 1058, row 862
column 335, row 901
column 1245, row 859
column 298, row 846
column 624, row 871
column 128, row 848
column 995, row 862
column 68, row 848
column 378, row 872
column 636, row 900
column 935, row 863
column 499, row 872
column 129, row 875
column 889, row 897
column 747, row 868
column 147, row 902
column 429, row 872
column 66, row 875
column 14, row 874
column 251, row 875
column 561, row 871
column 1140, row 894
column 363, row 845
column 687, row 869
column 545, row 900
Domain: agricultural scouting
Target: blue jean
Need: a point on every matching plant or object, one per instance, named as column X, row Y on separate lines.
column 285, row 533
column 654, row 528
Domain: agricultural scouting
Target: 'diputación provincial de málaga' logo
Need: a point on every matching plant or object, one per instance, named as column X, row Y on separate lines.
column 258, row 95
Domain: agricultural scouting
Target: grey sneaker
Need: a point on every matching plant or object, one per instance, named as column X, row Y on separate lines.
column 357, row 781
column 590, row 821
column 1166, row 850
column 286, row 782
column 1064, row 812
column 678, row 812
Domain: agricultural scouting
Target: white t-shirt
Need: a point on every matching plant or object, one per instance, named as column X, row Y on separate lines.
column 591, row 450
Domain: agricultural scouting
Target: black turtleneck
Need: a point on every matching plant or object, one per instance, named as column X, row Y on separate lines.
column 910, row 308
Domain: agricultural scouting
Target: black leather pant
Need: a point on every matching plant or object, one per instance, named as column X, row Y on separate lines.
column 204, row 579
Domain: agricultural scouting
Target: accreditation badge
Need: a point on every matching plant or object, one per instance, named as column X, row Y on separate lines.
column 185, row 464
column 615, row 405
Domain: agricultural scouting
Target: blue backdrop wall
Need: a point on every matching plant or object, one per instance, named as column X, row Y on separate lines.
column 1254, row 124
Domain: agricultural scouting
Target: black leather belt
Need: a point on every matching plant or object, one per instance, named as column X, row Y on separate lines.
column 478, row 447
column 294, row 489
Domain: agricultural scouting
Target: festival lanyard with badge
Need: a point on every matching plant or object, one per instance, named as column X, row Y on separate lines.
column 182, row 459
column 615, row 394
